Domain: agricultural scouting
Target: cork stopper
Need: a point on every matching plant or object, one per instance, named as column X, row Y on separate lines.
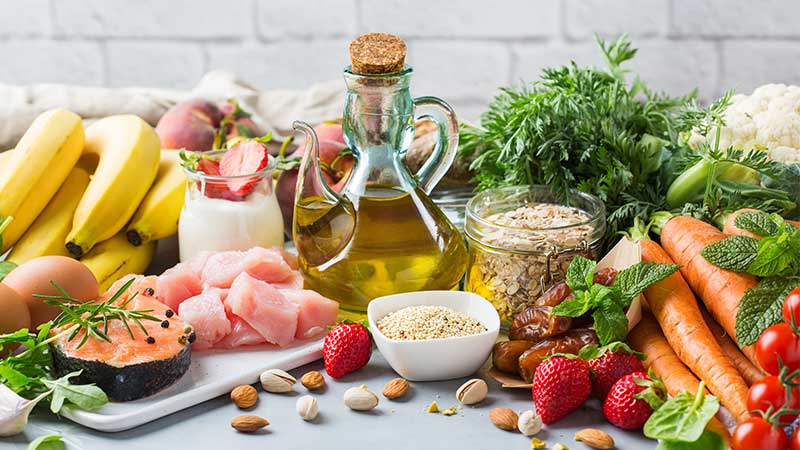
column 377, row 54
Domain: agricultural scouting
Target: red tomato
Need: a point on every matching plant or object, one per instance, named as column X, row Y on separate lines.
column 778, row 341
column 795, row 444
column 769, row 392
column 791, row 306
column 756, row 433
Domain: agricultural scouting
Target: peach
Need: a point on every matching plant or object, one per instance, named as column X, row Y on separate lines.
column 190, row 125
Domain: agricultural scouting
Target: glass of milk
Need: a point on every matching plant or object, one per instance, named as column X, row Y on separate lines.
column 213, row 218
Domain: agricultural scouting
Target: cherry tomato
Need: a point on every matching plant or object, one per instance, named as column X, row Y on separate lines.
column 795, row 444
column 769, row 392
column 778, row 341
column 791, row 306
column 756, row 433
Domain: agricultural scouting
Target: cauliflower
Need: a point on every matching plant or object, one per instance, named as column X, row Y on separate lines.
column 767, row 119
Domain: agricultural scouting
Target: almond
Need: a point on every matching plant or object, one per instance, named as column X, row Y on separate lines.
column 596, row 439
column 504, row 418
column 313, row 380
column 248, row 424
column 395, row 389
column 244, row 396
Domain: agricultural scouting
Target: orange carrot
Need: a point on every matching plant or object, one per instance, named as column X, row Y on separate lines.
column 749, row 372
column 647, row 338
column 675, row 308
column 732, row 230
column 720, row 290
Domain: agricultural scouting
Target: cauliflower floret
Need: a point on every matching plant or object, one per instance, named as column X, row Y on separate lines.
column 769, row 118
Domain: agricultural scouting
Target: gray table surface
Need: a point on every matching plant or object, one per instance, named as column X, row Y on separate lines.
column 392, row 425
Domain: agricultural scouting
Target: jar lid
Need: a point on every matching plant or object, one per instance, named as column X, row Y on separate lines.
column 377, row 54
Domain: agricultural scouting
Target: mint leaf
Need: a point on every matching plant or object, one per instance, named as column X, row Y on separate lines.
column 51, row 442
column 735, row 253
column 610, row 322
column 592, row 351
column 707, row 441
column 580, row 274
column 635, row 279
column 573, row 307
column 85, row 396
column 682, row 418
column 757, row 222
column 777, row 254
column 762, row 307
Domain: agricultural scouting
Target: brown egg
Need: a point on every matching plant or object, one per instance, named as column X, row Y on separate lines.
column 15, row 313
column 34, row 276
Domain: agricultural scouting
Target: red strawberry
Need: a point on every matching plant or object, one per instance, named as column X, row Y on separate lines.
column 632, row 399
column 560, row 385
column 609, row 364
column 213, row 188
column 246, row 158
column 347, row 348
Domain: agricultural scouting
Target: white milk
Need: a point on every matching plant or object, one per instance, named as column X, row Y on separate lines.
column 216, row 224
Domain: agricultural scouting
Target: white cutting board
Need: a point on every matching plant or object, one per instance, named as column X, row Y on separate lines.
column 212, row 373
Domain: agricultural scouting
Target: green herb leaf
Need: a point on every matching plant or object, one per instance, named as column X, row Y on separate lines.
column 757, row 222
column 762, row 307
column 580, row 273
column 655, row 393
column 734, row 253
column 682, row 418
column 635, row 279
column 593, row 351
column 85, row 396
column 573, row 307
column 708, row 440
column 51, row 442
column 6, row 267
column 777, row 254
column 610, row 322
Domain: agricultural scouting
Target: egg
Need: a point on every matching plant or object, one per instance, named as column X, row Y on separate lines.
column 15, row 313
column 34, row 277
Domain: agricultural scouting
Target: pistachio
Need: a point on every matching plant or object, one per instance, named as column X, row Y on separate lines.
column 537, row 444
column 276, row 380
column 472, row 392
column 313, row 380
column 560, row 446
column 529, row 423
column 360, row 399
column 504, row 418
column 596, row 439
column 451, row 411
column 307, row 407
column 433, row 407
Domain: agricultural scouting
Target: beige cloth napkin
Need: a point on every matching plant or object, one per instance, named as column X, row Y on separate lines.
column 273, row 110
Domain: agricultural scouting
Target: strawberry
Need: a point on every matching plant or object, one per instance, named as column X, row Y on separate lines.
column 561, row 385
column 347, row 348
column 214, row 188
column 632, row 400
column 246, row 158
column 609, row 364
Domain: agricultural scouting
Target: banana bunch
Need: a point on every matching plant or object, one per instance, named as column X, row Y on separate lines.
column 104, row 195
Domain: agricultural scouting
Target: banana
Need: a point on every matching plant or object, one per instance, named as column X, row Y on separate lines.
column 47, row 233
column 36, row 168
column 114, row 258
column 127, row 151
column 157, row 216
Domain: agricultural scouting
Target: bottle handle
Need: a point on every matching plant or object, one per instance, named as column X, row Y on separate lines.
column 437, row 110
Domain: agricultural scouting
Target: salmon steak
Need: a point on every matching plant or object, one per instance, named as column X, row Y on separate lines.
column 129, row 368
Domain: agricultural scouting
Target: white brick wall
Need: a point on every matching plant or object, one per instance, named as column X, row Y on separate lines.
column 462, row 50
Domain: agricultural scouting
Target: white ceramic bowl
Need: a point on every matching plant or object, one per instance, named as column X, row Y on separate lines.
column 436, row 359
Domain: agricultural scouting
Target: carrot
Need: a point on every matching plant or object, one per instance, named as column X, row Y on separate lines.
column 732, row 230
column 749, row 372
column 675, row 308
column 647, row 338
column 720, row 290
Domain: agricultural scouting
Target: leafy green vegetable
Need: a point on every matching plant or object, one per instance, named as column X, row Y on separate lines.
column 6, row 267
column 758, row 223
column 761, row 307
column 708, row 440
column 593, row 351
column 85, row 396
column 735, row 253
column 608, row 303
column 683, row 417
column 654, row 392
column 777, row 254
column 51, row 442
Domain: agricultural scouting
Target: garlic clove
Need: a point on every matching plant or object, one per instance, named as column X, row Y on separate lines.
column 14, row 411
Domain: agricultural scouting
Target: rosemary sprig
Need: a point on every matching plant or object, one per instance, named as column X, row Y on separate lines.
column 93, row 318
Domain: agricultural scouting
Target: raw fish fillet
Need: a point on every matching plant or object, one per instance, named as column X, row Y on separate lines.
column 206, row 313
column 241, row 334
column 315, row 312
column 264, row 308
column 177, row 284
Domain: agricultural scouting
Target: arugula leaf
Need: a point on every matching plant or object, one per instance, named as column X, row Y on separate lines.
column 85, row 396
column 734, row 253
column 580, row 273
column 682, row 417
column 777, row 254
column 610, row 322
column 708, row 440
column 762, row 307
column 51, row 442
column 635, row 279
column 757, row 222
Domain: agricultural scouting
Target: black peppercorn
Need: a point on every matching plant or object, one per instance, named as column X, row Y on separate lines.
column 151, row 340
column 169, row 313
column 165, row 324
column 149, row 292
column 192, row 337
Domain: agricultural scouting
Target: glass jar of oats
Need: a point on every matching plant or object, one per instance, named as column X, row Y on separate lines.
column 522, row 239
